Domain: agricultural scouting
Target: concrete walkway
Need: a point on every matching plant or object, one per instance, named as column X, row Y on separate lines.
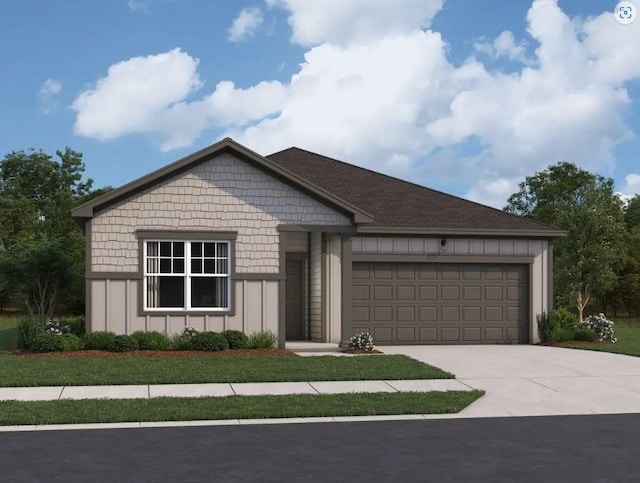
column 527, row 380
column 52, row 393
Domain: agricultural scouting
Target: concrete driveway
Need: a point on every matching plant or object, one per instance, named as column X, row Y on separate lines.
column 535, row 381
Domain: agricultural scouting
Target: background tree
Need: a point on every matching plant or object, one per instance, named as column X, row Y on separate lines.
column 37, row 194
column 587, row 260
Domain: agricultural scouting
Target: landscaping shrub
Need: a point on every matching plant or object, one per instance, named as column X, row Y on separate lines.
column 123, row 343
column 181, row 342
column 209, row 341
column 362, row 341
column 29, row 328
column 76, row 324
column 584, row 335
column 71, row 342
column 563, row 318
column 98, row 341
column 602, row 326
column 563, row 334
column 151, row 341
column 262, row 340
column 55, row 327
column 235, row 338
column 47, row 342
column 546, row 326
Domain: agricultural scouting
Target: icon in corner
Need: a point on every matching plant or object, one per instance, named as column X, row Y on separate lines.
column 625, row 13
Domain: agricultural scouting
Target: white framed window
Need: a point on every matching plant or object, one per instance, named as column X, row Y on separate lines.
column 187, row 275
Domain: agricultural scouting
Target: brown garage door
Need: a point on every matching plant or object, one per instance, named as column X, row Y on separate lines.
column 428, row 303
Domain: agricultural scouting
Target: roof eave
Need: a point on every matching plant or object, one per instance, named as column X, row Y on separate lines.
column 526, row 233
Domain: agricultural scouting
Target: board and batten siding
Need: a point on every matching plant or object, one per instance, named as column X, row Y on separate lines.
column 429, row 246
column 333, row 290
column 114, row 307
column 223, row 194
column 315, row 288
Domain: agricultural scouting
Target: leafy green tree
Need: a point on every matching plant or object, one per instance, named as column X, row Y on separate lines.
column 37, row 194
column 587, row 260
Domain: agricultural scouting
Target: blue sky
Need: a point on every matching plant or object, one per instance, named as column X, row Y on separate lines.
column 463, row 96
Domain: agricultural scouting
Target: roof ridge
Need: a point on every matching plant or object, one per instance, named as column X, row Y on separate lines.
column 543, row 225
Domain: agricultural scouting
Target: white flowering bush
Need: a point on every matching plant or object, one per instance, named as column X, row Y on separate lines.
column 602, row 326
column 362, row 341
column 54, row 327
column 189, row 331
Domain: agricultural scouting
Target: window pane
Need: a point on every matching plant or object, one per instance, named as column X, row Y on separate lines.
column 171, row 292
column 153, row 265
column 223, row 250
column 209, row 292
column 178, row 249
column 152, row 249
column 165, row 265
column 209, row 250
column 223, row 266
column 165, row 249
column 196, row 266
column 196, row 249
column 178, row 265
column 209, row 266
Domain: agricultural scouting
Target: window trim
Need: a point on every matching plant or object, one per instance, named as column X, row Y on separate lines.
column 186, row 237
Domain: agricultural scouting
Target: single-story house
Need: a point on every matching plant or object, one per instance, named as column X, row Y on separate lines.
column 310, row 248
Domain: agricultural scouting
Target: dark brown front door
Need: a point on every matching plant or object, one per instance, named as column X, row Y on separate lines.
column 295, row 313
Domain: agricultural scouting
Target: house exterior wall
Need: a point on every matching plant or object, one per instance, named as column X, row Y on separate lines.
column 333, row 289
column 315, row 288
column 223, row 194
column 540, row 297
column 114, row 306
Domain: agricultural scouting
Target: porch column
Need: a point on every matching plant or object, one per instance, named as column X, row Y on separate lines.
column 346, row 268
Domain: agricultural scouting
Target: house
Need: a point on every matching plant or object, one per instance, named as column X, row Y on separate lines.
column 313, row 249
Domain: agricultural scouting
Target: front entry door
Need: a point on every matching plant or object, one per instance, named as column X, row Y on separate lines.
column 294, row 299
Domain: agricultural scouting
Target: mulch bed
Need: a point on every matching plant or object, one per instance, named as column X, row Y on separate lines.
column 361, row 351
column 104, row 354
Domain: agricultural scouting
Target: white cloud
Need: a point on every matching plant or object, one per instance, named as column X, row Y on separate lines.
column 245, row 24
column 139, row 5
column 151, row 95
column 47, row 93
column 631, row 186
column 504, row 46
column 346, row 21
column 377, row 89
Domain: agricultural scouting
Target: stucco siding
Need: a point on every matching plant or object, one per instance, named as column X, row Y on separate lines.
column 315, row 288
column 114, row 307
column 224, row 194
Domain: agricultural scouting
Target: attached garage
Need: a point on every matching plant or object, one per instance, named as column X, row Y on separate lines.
column 441, row 303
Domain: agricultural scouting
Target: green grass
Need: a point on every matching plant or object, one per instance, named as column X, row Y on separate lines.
column 233, row 407
column 8, row 333
column 79, row 371
column 627, row 331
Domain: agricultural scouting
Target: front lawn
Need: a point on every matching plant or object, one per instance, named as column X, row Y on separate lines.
column 83, row 371
column 233, row 407
column 627, row 331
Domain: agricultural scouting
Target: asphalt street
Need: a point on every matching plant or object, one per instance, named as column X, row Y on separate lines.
column 598, row 448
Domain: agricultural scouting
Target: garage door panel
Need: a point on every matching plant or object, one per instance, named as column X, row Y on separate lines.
column 406, row 334
column 406, row 292
column 382, row 292
column 428, row 303
column 472, row 334
column 428, row 292
column 450, row 334
column 383, row 334
column 382, row 313
column 406, row 314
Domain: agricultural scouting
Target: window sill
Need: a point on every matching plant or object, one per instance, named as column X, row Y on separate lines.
column 190, row 312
